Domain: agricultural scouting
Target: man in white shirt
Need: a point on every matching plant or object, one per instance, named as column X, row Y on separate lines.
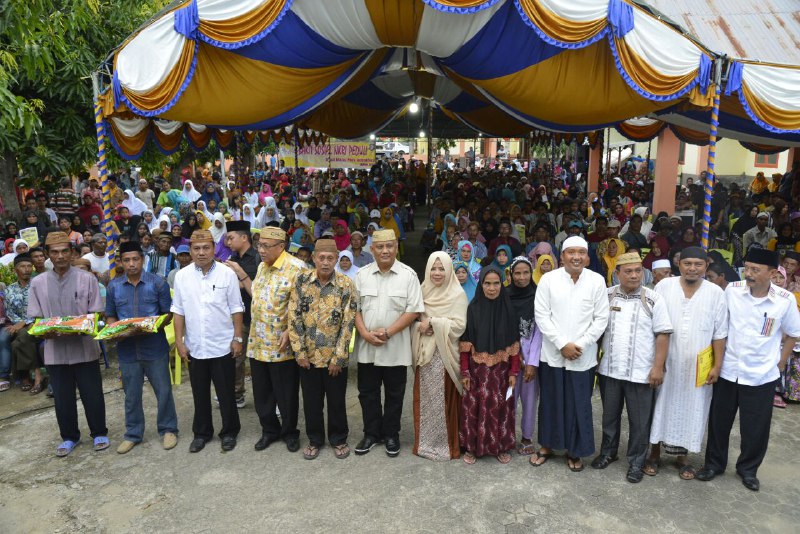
column 207, row 309
column 390, row 300
column 760, row 233
column 634, row 353
column 761, row 316
column 699, row 320
column 98, row 256
column 572, row 312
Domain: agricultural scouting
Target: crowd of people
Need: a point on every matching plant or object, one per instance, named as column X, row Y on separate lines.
column 534, row 289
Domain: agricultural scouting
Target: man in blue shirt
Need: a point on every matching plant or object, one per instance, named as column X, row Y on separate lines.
column 141, row 294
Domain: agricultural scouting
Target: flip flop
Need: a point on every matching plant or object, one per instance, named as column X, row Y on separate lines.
column 650, row 469
column 503, row 457
column 341, row 451
column 686, row 472
column 25, row 387
column 311, row 452
column 469, row 458
column 526, row 449
column 101, row 443
column 534, row 459
column 66, row 447
column 577, row 464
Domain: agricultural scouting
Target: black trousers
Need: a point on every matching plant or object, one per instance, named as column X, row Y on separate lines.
column 754, row 404
column 319, row 386
column 639, row 399
column 220, row 371
column 276, row 383
column 86, row 376
column 381, row 422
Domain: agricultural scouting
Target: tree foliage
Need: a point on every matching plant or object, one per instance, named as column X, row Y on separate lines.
column 48, row 51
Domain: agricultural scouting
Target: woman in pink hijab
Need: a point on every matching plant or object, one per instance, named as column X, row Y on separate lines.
column 341, row 234
column 266, row 191
column 542, row 248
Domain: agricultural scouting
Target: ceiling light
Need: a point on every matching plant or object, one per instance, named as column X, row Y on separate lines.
column 414, row 107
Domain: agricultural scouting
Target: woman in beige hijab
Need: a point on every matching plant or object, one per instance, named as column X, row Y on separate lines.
column 437, row 378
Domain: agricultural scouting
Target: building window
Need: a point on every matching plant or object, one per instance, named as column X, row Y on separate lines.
column 767, row 160
column 682, row 153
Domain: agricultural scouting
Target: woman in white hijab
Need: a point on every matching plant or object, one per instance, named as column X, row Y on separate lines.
column 163, row 222
column 201, row 206
column 268, row 213
column 152, row 224
column 20, row 246
column 218, row 228
column 249, row 215
column 189, row 192
column 301, row 215
column 346, row 267
column 135, row 206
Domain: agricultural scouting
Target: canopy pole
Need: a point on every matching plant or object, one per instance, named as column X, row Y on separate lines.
column 102, row 170
column 431, row 161
column 608, row 154
column 647, row 161
column 710, row 177
column 712, row 154
column 297, row 153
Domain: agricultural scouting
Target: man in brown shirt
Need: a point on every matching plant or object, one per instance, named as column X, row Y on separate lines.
column 70, row 360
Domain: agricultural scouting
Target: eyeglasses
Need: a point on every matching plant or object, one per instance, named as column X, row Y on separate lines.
column 264, row 245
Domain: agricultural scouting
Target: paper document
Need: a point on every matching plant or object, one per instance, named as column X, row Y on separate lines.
column 705, row 362
column 509, row 392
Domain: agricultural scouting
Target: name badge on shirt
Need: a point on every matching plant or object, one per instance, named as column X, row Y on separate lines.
column 616, row 308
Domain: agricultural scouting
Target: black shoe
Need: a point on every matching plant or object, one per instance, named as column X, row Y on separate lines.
column 292, row 444
column 749, row 482
column 707, row 473
column 365, row 445
column 197, row 445
column 603, row 461
column 263, row 442
column 634, row 475
column 228, row 443
column 392, row 447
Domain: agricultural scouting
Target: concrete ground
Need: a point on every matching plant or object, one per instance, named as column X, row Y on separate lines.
column 152, row 490
column 149, row 489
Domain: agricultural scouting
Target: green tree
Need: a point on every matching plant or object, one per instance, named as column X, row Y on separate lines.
column 48, row 51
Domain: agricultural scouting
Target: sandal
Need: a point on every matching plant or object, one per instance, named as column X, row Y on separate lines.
column 311, row 452
column 469, row 458
column 26, row 386
column 38, row 388
column 539, row 455
column 526, row 449
column 341, row 451
column 686, row 472
column 575, row 464
column 5, row 385
column 503, row 457
column 650, row 468
column 101, row 443
column 66, row 447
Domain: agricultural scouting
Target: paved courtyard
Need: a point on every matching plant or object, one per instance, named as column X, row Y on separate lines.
column 152, row 490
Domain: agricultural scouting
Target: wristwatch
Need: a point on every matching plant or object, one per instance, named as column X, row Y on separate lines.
column 238, row 339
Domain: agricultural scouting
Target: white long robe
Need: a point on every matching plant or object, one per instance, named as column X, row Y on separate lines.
column 681, row 411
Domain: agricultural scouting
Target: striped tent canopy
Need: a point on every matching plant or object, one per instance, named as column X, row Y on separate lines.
column 346, row 68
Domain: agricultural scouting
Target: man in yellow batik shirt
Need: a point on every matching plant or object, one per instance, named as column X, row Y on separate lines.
column 275, row 374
